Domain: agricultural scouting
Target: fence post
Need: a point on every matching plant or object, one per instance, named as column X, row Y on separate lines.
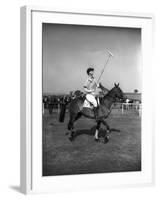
column 122, row 108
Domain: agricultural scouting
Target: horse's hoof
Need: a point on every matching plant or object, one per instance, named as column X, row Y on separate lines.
column 96, row 140
column 106, row 139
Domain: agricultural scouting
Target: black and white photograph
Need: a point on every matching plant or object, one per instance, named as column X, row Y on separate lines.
column 91, row 99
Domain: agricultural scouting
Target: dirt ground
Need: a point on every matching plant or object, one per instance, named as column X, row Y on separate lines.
column 82, row 156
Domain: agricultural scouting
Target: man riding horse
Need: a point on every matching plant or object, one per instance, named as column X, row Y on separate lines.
column 77, row 107
column 90, row 90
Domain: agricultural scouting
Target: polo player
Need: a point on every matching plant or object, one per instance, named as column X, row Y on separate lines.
column 90, row 88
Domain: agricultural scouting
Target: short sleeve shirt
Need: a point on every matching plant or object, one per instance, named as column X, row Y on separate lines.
column 90, row 83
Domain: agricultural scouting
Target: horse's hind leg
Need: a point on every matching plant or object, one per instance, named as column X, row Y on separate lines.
column 73, row 118
column 70, row 128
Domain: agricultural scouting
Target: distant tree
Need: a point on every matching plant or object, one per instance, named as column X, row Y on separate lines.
column 136, row 91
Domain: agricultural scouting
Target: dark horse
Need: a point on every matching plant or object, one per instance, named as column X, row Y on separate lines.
column 76, row 110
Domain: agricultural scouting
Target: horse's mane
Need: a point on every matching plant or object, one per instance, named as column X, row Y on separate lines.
column 108, row 94
column 104, row 89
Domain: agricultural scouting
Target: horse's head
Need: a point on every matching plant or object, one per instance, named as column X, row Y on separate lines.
column 117, row 92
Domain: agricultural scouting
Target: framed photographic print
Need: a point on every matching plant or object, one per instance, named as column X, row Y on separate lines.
column 86, row 88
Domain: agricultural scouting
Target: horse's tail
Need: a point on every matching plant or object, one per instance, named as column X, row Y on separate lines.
column 62, row 112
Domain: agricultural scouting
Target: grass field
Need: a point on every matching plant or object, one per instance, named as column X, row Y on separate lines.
column 121, row 154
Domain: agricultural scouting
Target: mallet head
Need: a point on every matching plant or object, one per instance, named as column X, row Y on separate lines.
column 110, row 53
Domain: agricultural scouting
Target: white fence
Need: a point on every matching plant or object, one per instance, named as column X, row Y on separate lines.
column 128, row 106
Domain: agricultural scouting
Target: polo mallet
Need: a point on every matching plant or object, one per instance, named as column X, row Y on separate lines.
column 109, row 56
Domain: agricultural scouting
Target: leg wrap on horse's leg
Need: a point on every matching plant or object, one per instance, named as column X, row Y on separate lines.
column 96, row 134
column 97, row 130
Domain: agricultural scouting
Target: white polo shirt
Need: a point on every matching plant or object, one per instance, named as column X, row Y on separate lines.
column 90, row 84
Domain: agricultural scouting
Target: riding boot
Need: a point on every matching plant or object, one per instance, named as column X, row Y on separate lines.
column 95, row 113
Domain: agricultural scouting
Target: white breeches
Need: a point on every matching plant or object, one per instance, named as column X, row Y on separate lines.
column 91, row 98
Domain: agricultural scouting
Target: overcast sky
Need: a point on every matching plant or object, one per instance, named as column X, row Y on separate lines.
column 68, row 50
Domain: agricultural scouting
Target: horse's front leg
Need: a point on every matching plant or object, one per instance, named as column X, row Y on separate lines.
column 106, row 125
column 96, row 136
column 107, row 136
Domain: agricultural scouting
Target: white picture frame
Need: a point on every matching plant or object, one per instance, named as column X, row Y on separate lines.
column 31, row 110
